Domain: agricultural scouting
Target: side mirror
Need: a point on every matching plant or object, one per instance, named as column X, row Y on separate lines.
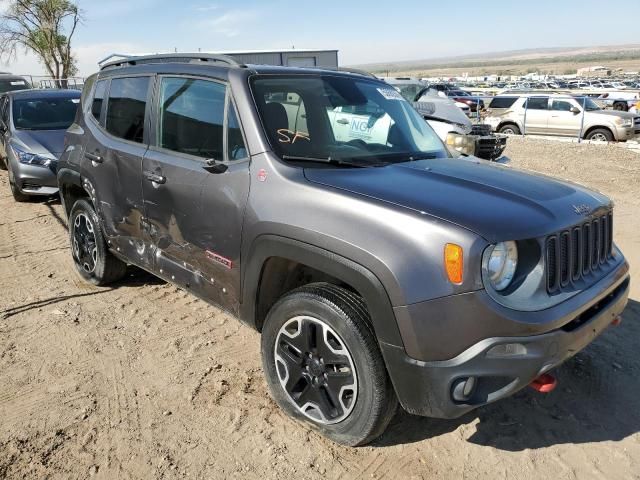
column 575, row 110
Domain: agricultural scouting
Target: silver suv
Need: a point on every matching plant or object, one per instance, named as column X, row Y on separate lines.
column 562, row 115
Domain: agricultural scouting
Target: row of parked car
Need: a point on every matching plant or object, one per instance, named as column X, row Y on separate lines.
column 561, row 114
column 322, row 210
column 556, row 83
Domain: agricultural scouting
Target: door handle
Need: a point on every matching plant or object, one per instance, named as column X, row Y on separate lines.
column 93, row 157
column 155, row 177
column 343, row 121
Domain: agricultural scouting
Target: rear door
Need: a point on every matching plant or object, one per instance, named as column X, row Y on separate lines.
column 115, row 142
column 562, row 121
column 195, row 211
column 535, row 115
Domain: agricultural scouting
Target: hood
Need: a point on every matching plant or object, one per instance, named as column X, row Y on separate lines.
column 494, row 201
column 613, row 113
column 443, row 109
column 41, row 141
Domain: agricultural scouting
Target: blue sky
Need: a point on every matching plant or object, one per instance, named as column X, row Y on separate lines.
column 362, row 31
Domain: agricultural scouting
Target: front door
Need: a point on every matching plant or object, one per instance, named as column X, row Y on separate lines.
column 195, row 187
column 536, row 114
column 562, row 121
column 115, row 143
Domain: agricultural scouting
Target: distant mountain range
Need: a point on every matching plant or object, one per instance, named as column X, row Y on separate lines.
column 528, row 56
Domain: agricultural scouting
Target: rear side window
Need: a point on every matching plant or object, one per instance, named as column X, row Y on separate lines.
column 537, row 103
column 502, row 102
column 126, row 106
column 192, row 117
column 98, row 99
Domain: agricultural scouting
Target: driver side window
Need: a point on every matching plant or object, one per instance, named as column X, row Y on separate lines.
column 561, row 106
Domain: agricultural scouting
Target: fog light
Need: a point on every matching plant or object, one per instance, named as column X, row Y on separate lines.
column 507, row 350
column 463, row 389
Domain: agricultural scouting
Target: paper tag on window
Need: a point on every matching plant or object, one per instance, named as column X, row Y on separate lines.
column 75, row 100
column 390, row 93
column 19, row 82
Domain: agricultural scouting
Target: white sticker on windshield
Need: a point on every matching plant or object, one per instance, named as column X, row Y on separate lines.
column 390, row 94
column 75, row 100
column 18, row 82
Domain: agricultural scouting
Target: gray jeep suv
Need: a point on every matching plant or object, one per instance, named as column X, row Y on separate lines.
column 321, row 209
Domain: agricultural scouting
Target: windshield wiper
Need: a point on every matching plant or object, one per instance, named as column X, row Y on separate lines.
column 403, row 157
column 330, row 160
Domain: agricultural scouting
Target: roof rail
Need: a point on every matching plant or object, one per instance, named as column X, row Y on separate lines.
column 169, row 58
column 357, row 71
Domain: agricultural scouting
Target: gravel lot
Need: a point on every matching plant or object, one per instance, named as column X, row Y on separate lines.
column 144, row 381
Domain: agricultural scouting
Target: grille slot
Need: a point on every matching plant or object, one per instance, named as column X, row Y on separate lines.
column 572, row 254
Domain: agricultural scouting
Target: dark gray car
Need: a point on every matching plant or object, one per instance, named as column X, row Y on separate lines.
column 32, row 129
column 323, row 211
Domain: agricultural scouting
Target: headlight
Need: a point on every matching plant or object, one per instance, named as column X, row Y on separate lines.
column 625, row 122
column 500, row 264
column 32, row 158
column 461, row 143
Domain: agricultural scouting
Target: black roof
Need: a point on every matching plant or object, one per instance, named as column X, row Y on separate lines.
column 45, row 93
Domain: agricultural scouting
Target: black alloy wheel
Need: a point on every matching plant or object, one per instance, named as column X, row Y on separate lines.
column 316, row 369
column 85, row 250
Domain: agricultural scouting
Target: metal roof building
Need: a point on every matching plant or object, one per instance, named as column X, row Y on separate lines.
column 287, row 58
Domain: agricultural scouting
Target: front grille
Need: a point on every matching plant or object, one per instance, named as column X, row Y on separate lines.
column 575, row 253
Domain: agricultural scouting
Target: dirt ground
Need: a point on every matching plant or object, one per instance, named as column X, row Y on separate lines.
column 142, row 380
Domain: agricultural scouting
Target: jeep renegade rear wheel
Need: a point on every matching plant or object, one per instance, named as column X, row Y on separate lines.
column 91, row 257
column 323, row 365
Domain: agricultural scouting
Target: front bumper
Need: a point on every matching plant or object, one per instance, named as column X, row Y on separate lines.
column 625, row 133
column 426, row 387
column 36, row 180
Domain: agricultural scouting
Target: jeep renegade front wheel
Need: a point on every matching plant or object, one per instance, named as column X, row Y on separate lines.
column 323, row 364
column 91, row 257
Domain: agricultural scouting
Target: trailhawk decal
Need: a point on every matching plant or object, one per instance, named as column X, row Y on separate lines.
column 225, row 262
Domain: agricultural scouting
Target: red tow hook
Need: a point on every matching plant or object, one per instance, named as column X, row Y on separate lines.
column 545, row 383
column 616, row 321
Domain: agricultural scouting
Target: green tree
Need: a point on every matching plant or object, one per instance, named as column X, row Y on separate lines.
column 44, row 27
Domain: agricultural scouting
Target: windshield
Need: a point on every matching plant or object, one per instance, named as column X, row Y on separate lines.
column 44, row 113
column 9, row 85
column 342, row 118
column 409, row 90
column 588, row 104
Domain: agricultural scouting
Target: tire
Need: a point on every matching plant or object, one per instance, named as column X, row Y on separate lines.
column 91, row 257
column 621, row 106
column 509, row 129
column 599, row 134
column 368, row 403
column 3, row 163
